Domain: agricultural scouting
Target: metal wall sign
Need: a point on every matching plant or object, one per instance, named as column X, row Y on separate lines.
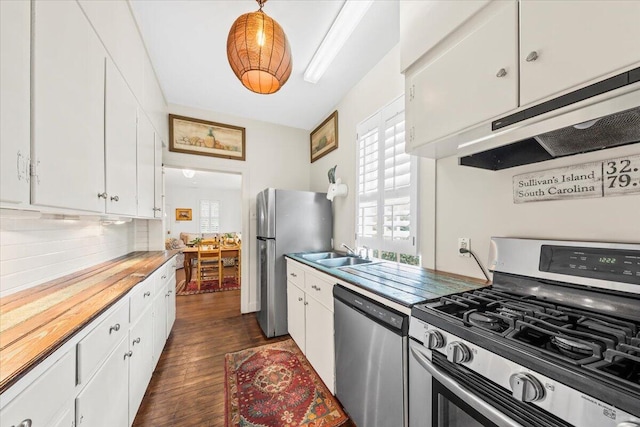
column 614, row 177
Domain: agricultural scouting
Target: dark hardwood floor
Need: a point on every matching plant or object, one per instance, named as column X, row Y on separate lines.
column 187, row 388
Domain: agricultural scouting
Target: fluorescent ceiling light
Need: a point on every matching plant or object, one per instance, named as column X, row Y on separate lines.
column 348, row 19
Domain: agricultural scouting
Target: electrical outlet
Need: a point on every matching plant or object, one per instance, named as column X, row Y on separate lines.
column 464, row 243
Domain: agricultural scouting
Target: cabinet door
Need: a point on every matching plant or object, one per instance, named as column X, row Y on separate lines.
column 68, row 109
column 141, row 363
column 67, row 418
column 157, row 177
column 576, row 43
column 104, row 401
column 159, row 324
column 146, row 166
column 462, row 87
column 171, row 303
column 423, row 24
column 295, row 314
column 319, row 341
column 120, row 144
column 15, row 50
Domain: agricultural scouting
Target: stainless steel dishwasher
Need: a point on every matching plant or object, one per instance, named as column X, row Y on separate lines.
column 371, row 360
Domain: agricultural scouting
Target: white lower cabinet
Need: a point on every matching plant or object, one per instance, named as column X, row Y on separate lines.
column 98, row 378
column 310, row 319
column 104, row 401
column 141, row 361
column 44, row 398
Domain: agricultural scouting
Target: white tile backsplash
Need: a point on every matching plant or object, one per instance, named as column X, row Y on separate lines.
column 34, row 251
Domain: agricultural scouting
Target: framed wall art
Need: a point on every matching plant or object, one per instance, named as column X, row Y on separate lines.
column 195, row 136
column 183, row 214
column 324, row 138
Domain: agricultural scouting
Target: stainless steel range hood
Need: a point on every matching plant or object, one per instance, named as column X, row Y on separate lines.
column 603, row 115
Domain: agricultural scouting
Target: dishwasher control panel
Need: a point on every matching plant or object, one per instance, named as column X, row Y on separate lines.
column 385, row 315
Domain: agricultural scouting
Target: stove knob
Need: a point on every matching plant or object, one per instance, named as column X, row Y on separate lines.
column 433, row 339
column 457, row 352
column 526, row 388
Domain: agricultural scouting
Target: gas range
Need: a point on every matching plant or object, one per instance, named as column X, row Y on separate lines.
column 557, row 334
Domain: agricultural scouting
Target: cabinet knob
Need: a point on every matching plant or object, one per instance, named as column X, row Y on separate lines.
column 136, row 341
column 293, row 274
column 306, row 303
column 128, row 354
column 24, row 423
column 501, row 72
column 532, row 56
column 115, row 327
column 102, row 195
column 115, row 198
column 157, row 209
column 299, row 298
column 146, row 294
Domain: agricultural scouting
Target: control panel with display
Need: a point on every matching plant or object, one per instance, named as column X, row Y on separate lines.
column 598, row 263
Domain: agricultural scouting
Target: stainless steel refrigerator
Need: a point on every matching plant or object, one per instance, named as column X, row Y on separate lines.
column 288, row 222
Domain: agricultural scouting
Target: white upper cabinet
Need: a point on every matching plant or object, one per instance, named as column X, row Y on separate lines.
column 146, row 165
column 68, row 109
column 15, row 36
column 576, row 42
column 424, row 23
column 157, row 177
column 474, row 80
column 120, row 144
column 121, row 40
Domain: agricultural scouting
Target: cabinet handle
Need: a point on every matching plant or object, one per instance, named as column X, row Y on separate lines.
column 293, row 275
column 102, row 195
column 128, row 354
column 299, row 299
column 19, row 166
column 115, row 198
column 532, row 56
column 25, row 423
column 157, row 209
column 136, row 341
column 115, row 327
column 501, row 72
column 164, row 276
column 170, row 292
column 146, row 294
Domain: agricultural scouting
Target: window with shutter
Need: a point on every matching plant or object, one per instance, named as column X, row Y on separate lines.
column 209, row 216
column 387, row 184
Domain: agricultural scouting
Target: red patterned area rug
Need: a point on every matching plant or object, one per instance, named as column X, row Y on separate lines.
column 229, row 284
column 274, row 385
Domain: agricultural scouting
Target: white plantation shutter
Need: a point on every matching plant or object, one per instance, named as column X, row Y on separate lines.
column 209, row 216
column 387, row 183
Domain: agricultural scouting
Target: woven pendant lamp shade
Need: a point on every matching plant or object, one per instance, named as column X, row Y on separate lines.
column 259, row 53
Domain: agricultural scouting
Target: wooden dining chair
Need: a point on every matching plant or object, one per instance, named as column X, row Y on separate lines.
column 231, row 262
column 208, row 262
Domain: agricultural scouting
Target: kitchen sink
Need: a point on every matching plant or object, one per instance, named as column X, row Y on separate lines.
column 341, row 262
column 323, row 255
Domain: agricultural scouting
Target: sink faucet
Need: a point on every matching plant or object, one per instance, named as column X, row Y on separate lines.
column 349, row 250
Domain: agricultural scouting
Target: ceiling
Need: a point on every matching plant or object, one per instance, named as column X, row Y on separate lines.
column 202, row 179
column 186, row 40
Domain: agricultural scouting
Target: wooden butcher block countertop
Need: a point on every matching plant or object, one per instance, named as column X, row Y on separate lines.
column 37, row 321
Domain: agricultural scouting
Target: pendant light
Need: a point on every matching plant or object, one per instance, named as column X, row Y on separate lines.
column 258, row 52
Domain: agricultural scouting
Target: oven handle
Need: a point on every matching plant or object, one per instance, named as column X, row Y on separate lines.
column 468, row 397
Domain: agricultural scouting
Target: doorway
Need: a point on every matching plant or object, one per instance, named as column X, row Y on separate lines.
column 204, row 205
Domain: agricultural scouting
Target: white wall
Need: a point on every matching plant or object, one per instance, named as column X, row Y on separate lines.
column 379, row 87
column 479, row 204
column 34, row 251
column 177, row 196
column 276, row 156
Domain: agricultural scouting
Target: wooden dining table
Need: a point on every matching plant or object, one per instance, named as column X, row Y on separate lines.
column 191, row 253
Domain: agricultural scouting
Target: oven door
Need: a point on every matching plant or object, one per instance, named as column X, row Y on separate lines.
column 437, row 400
